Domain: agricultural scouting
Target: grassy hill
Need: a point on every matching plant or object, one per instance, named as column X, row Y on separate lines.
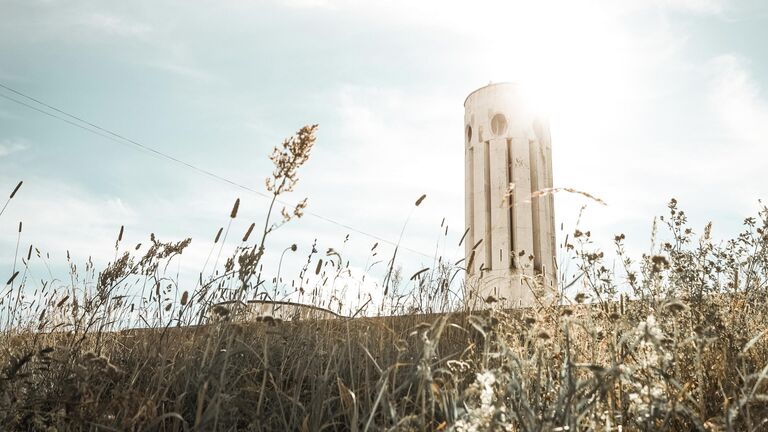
column 671, row 341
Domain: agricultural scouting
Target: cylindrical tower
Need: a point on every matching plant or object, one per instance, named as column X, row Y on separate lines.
column 510, row 242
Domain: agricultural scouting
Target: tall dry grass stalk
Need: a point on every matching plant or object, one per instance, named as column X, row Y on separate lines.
column 674, row 341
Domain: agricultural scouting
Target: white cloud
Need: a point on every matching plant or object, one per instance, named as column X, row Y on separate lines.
column 497, row 15
column 167, row 53
column 397, row 142
column 736, row 99
column 116, row 25
column 695, row 6
column 395, row 146
column 58, row 217
column 10, row 146
column 311, row 4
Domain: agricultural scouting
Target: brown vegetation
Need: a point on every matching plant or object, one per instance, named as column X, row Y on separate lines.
column 684, row 350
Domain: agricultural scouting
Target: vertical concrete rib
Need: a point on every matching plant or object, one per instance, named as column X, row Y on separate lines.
column 478, row 188
column 547, row 214
column 536, row 207
column 469, row 238
column 489, row 243
column 499, row 204
column 521, row 205
column 510, row 205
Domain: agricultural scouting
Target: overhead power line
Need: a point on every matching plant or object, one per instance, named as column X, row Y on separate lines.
column 103, row 132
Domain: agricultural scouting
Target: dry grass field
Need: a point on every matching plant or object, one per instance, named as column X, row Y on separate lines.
column 673, row 341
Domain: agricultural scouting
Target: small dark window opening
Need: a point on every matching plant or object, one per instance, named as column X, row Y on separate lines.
column 499, row 124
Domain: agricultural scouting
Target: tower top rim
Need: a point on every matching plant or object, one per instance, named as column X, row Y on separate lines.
column 493, row 84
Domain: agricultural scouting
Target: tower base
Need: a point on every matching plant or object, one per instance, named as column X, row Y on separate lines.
column 509, row 289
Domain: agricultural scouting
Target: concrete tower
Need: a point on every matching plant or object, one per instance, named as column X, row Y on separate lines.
column 510, row 244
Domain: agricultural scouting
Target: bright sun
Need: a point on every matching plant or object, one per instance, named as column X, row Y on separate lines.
column 577, row 60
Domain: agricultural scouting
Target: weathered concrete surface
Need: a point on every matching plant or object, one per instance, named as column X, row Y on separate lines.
column 510, row 245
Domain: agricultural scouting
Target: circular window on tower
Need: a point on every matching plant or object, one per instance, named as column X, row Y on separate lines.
column 469, row 133
column 499, row 124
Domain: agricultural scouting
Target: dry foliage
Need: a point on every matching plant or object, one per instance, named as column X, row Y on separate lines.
column 685, row 350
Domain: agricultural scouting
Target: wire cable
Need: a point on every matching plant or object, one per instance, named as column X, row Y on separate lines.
column 121, row 139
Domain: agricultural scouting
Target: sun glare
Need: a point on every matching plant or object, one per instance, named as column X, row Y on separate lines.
column 580, row 62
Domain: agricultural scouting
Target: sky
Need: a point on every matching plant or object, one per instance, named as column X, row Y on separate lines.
column 648, row 100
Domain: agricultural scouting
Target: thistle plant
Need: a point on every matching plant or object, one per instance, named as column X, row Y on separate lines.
column 675, row 340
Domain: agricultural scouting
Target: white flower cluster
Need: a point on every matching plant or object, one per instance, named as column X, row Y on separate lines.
column 481, row 413
column 647, row 393
column 485, row 381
